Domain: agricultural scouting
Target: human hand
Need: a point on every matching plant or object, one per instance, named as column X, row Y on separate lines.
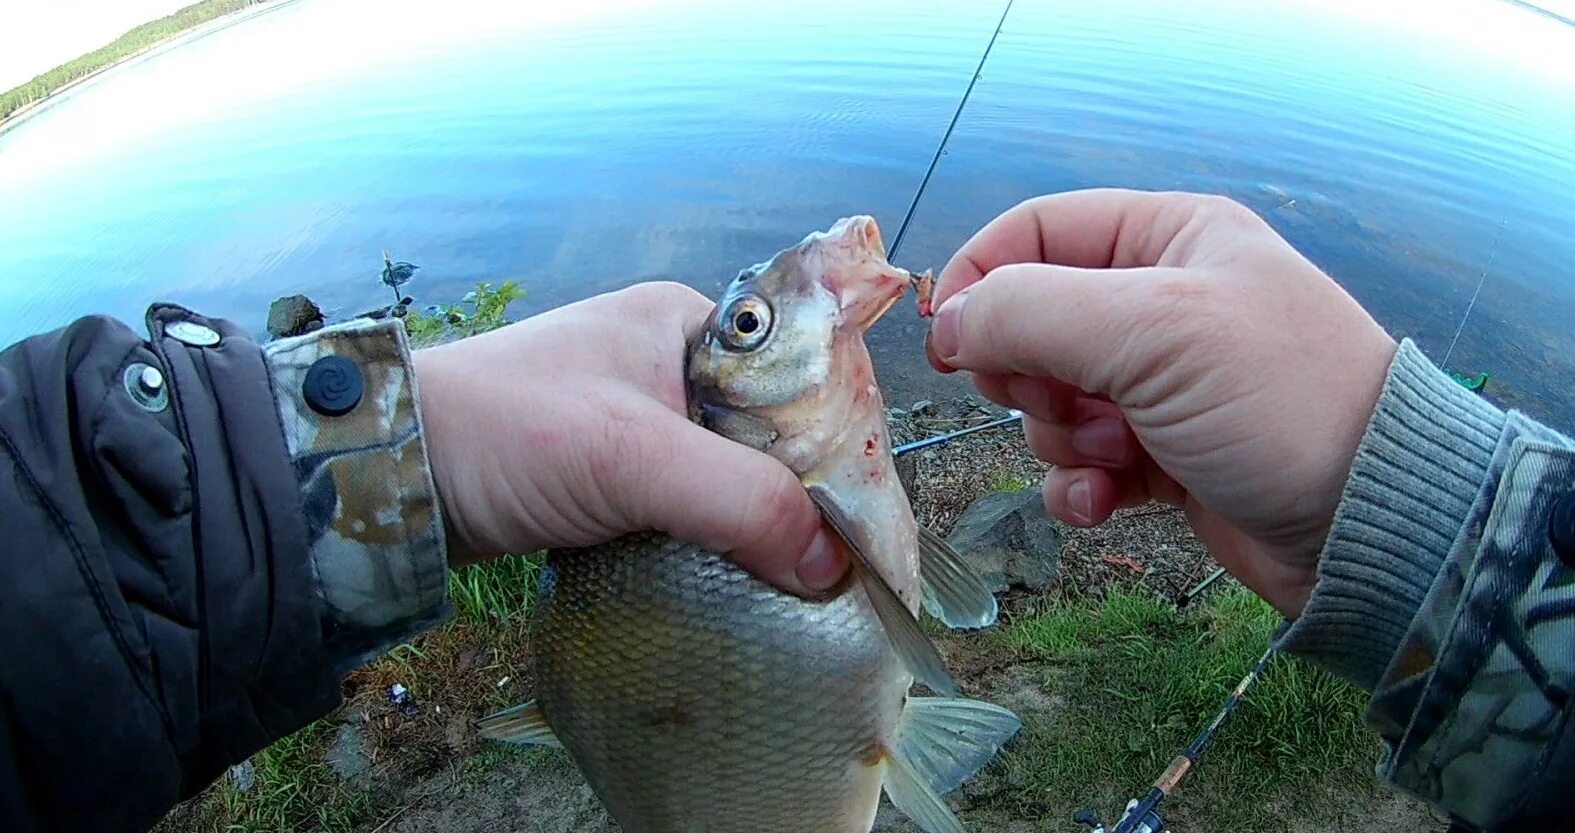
column 570, row 429
column 1171, row 347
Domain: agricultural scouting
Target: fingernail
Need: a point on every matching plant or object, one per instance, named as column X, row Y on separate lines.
column 1102, row 440
column 934, row 358
column 947, row 329
column 822, row 565
column 1080, row 499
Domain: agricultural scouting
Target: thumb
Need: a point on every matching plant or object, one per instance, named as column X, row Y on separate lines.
column 746, row 504
column 1097, row 329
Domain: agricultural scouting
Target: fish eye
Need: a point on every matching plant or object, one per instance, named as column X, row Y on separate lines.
column 745, row 324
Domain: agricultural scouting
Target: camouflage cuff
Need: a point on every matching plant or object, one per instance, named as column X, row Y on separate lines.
column 1475, row 706
column 373, row 518
column 1421, row 464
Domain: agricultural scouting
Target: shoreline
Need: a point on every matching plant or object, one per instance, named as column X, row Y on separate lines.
column 184, row 36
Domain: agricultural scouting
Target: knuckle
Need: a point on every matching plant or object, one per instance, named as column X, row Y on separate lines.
column 1228, row 210
column 663, row 295
column 664, row 304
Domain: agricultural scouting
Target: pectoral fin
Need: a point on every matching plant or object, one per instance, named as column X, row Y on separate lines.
column 522, row 724
column 952, row 593
column 917, row 653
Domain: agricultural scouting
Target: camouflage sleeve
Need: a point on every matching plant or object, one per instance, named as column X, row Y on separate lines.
column 374, row 523
column 1442, row 591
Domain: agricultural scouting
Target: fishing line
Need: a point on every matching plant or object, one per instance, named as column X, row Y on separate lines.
column 940, row 149
column 1492, row 253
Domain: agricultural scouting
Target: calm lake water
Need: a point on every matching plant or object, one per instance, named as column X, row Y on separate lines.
column 1423, row 153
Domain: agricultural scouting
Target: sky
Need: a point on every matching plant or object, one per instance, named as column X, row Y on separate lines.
column 38, row 36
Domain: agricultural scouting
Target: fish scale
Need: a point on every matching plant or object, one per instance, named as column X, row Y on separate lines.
column 773, row 701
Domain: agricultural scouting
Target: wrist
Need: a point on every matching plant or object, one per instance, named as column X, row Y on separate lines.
column 1420, row 464
column 433, row 380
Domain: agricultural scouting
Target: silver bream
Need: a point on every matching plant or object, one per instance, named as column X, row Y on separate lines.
column 695, row 697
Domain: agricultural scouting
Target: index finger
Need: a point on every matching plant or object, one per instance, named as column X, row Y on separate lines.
column 1097, row 228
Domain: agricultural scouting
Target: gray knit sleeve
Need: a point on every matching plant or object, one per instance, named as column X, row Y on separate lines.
column 1441, row 590
column 1419, row 467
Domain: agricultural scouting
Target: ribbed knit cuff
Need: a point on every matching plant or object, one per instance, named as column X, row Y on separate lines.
column 1419, row 467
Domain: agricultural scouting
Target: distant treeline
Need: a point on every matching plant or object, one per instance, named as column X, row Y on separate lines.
column 138, row 39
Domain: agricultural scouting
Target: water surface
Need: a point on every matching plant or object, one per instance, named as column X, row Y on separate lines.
column 1424, row 154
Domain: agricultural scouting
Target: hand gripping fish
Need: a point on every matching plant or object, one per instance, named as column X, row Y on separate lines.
column 695, row 697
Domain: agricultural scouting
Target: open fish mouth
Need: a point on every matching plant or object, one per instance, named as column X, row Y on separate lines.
column 854, row 268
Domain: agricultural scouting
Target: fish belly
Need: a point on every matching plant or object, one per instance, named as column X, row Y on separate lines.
column 696, row 698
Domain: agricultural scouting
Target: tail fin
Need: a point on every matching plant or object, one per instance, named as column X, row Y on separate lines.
column 914, row 798
column 947, row 740
column 523, row 724
column 941, row 742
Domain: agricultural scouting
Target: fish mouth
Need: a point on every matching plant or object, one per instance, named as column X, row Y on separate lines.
column 855, row 270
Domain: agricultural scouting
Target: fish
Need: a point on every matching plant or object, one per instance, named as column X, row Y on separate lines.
column 695, row 697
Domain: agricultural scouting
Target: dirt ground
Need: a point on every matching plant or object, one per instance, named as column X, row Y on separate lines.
column 540, row 791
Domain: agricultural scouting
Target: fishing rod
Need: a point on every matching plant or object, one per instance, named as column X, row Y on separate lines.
column 917, row 445
column 940, row 149
column 1142, row 814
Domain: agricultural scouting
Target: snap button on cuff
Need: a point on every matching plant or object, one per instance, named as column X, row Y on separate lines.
column 333, row 386
column 145, row 384
column 192, row 333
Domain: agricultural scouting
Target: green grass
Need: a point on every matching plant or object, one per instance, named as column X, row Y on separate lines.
column 1139, row 679
column 499, row 591
column 294, row 790
column 138, row 39
column 1007, row 482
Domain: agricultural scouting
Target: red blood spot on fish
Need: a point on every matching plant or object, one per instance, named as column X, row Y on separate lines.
column 869, row 445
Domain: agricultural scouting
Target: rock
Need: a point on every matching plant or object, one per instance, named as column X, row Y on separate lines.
column 347, row 755
column 1009, row 540
column 244, row 776
column 923, row 406
column 293, row 315
column 399, row 310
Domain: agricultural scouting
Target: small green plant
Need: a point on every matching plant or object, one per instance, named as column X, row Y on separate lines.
column 1008, row 482
column 482, row 309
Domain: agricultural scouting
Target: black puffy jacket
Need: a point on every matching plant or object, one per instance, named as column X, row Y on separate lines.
column 180, row 588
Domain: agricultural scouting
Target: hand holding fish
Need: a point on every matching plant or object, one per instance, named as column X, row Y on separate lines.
column 1171, row 347
column 570, row 429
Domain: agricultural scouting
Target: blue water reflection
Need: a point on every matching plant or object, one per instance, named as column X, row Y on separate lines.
column 1413, row 150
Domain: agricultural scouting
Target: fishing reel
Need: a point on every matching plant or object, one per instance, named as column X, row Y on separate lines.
column 1139, row 817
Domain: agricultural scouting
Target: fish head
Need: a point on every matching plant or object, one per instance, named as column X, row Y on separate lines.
column 783, row 350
